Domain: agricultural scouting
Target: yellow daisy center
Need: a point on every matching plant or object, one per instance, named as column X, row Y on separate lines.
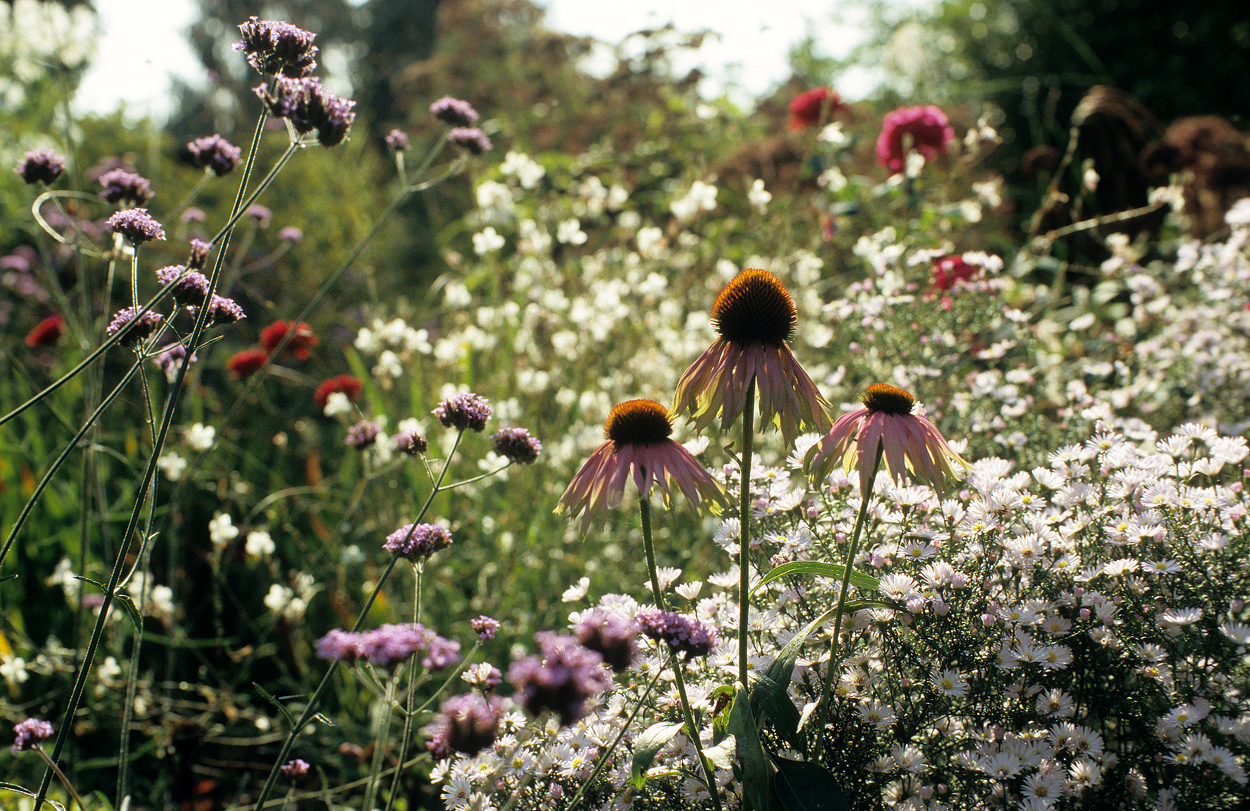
column 755, row 308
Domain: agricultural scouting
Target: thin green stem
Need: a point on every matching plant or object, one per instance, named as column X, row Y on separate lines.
column 687, row 714
column 602, row 761
column 852, row 550
column 744, row 536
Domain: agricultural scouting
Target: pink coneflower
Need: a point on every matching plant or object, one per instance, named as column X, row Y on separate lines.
column 755, row 317
column 638, row 445
column 909, row 442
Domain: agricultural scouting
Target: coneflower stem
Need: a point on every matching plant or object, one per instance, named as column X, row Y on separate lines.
column 851, row 551
column 744, row 531
column 687, row 714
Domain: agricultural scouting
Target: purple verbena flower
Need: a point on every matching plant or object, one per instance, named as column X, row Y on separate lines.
column 516, row 445
column 221, row 310
column 193, row 215
column 390, row 645
column 199, row 254
column 215, row 153
column 134, row 331
column 290, row 234
column 612, row 637
column 40, row 166
column 125, row 187
column 275, row 46
column 464, row 411
column 309, row 106
column 466, row 723
column 470, row 138
column 136, row 225
column 190, row 287
column 485, row 627
column 413, row 542
column 397, row 140
column 29, row 733
column 169, row 358
column 261, row 214
column 411, row 443
column 362, row 434
column 684, row 635
column 561, row 678
column 455, row 112
column 295, row 768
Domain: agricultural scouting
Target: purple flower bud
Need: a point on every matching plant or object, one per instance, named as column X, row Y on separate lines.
column 189, row 287
column 485, row 627
column 466, row 723
column 135, row 331
column 275, row 46
column 30, row 732
column 516, row 445
column 199, row 253
column 397, row 140
column 411, row 443
column 413, row 542
column 561, row 678
column 125, row 187
column 470, row 138
column 214, row 153
column 295, row 768
column 464, row 411
column 613, row 638
column 135, row 225
column 390, row 645
column 362, row 434
column 684, row 635
column 40, row 166
column 290, row 234
column 455, row 112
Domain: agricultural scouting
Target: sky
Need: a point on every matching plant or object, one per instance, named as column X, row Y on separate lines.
column 147, row 38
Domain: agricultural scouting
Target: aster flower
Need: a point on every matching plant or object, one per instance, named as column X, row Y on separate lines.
column 682, row 634
column 466, row 411
column 419, row 541
column 466, row 723
column 471, row 139
column 810, row 107
column 275, row 46
column 454, row 112
column 924, row 129
column 29, row 733
column 755, row 318
column 397, row 140
column 638, row 445
column 561, row 678
column 40, row 166
column 516, row 445
column 135, row 331
column 909, row 442
column 47, row 332
column 136, row 225
column 346, row 384
column 214, row 153
column 125, row 187
column 245, row 363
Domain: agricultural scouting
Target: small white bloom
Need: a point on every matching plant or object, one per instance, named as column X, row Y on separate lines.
column 221, row 530
column 758, row 196
column 259, row 544
column 570, row 232
column 278, row 597
column 172, row 465
column 13, row 668
column 199, row 437
column 337, row 403
column 487, row 241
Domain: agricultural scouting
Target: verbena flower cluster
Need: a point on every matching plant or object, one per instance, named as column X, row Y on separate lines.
column 390, row 645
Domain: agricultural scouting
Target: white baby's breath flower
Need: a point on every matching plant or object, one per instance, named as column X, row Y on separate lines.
column 221, row 530
column 488, row 240
column 259, row 544
column 172, row 465
column 758, row 196
column 337, row 403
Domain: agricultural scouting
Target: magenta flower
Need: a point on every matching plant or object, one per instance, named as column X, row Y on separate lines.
column 755, row 317
column 909, row 443
column 924, row 129
column 639, row 446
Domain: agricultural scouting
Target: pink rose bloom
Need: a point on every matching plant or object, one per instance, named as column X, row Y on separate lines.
column 924, row 129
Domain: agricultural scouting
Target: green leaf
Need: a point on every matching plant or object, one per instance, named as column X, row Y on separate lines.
column 801, row 786
column 770, row 697
column 648, row 744
column 782, row 668
column 835, row 571
column 756, row 771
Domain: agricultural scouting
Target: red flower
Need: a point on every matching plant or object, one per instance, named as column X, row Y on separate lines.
column 47, row 332
column 951, row 269
column 925, row 127
column 806, row 108
column 342, row 383
column 242, row 364
column 301, row 342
